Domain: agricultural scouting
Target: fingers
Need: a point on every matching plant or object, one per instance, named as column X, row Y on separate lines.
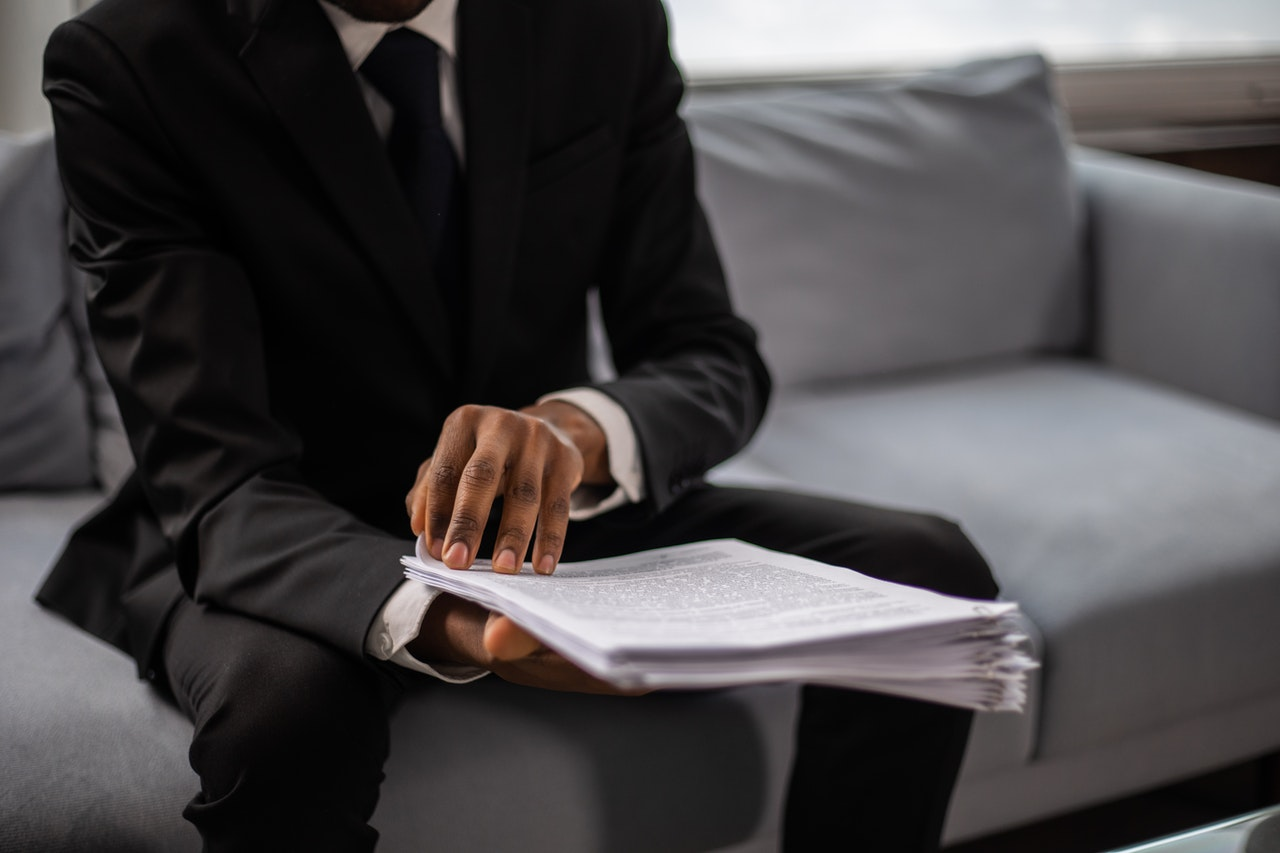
column 458, row 631
column 504, row 640
column 537, row 498
column 477, row 483
column 547, row 670
column 553, row 523
column 522, row 500
column 484, row 452
column 416, row 501
column 453, row 451
column 517, row 656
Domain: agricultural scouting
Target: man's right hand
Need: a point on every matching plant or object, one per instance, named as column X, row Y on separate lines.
column 462, row 632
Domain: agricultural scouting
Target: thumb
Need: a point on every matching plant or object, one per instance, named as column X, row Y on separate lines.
column 507, row 641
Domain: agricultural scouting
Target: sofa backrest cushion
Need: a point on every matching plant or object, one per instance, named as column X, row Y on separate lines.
column 869, row 228
column 46, row 436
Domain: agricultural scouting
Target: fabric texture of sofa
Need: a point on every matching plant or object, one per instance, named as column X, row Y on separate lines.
column 1074, row 354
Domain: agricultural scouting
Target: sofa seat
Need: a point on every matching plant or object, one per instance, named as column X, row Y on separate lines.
column 1199, row 481
column 93, row 728
column 673, row 772
column 75, row 718
column 1144, row 542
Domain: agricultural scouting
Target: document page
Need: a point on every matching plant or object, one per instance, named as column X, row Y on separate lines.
column 724, row 612
column 718, row 594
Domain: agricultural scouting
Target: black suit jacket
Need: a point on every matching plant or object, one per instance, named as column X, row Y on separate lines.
column 268, row 319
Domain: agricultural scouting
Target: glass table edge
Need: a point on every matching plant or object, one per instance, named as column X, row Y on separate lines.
column 1157, row 843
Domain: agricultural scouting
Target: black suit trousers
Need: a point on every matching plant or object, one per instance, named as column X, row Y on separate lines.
column 291, row 735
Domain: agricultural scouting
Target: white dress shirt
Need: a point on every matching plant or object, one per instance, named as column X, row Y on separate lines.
column 400, row 619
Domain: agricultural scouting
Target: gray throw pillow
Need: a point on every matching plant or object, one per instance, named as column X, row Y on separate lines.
column 46, row 435
column 869, row 228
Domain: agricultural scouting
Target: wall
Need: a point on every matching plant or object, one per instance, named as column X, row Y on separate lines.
column 24, row 28
column 1219, row 116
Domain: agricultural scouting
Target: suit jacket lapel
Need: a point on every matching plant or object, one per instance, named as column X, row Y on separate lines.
column 494, row 53
column 299, row 65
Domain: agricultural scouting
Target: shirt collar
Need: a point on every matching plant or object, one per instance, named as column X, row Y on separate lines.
column 359, row 38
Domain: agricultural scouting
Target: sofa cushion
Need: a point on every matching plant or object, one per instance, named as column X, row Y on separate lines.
column 1135, row 525
column 871, row 228
column 46, row 437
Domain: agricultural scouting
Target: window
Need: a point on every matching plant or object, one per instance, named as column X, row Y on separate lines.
column 735, row 38
column 1144, row 76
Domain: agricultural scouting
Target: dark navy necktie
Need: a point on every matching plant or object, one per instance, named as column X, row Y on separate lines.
column 405, row 69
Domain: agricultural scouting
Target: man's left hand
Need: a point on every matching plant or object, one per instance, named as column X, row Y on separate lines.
column 533, row 458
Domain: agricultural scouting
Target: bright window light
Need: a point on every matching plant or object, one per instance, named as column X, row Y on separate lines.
column 725, row 38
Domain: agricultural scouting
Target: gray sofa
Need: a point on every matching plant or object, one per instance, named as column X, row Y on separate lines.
column 1074, row 354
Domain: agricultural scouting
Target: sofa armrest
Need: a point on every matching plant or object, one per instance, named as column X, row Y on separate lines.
column 1186, row 268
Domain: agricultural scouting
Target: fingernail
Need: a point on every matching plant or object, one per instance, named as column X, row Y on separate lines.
column 456, row 556
column 546, row 565
column 506, row 562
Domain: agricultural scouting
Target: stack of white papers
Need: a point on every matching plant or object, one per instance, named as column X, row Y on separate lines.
column 724, row 613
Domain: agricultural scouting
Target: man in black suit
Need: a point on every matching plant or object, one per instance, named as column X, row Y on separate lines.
column 295, row 319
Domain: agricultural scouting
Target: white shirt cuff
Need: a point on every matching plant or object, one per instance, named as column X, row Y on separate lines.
column 399, row 622
column 624, row 454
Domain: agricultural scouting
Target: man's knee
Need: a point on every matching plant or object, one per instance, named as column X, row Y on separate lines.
column 913, row 548
column 290, row 734
column 936, row 554
column 295, row 709
column 922, row 550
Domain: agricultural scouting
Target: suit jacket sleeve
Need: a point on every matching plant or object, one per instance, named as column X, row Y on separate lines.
column 176, row 325
column 690, row 376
